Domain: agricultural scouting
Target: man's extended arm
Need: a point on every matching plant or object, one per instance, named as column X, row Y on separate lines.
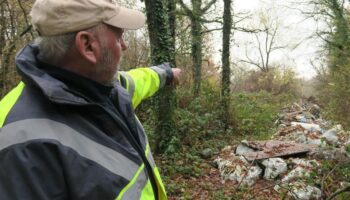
column 142, row 83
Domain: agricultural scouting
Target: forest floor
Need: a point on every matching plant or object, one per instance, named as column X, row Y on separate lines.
column 188, row 175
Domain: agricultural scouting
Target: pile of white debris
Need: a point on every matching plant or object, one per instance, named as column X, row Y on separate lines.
column 292, row 157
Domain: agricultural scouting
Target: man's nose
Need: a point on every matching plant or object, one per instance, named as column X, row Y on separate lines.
column 124, row 45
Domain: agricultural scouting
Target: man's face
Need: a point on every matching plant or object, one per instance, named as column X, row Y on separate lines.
column 112, row 45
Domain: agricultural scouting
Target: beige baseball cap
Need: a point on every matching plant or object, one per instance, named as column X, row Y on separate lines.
column 55, row 17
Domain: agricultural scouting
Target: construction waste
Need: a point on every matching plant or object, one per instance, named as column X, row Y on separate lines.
column 292, row 157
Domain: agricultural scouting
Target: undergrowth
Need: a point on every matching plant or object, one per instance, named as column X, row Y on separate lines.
column 188, row 175
column 199, row 127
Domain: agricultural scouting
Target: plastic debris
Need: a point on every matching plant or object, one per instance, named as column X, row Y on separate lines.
column 318, row 142
column 305, row 192
column 298, row 172
column 301, row 118
column 239, row 176
column 303, row 162
column 301, row 138
column 291, row 156
column 274, row 168
column 299, row 190
column 307, row 126
column 338, row 154
column 222, row 166
column 252, row 176
column 331, row 136
column 237, row 170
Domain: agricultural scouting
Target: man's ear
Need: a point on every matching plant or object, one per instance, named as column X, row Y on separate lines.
column 88, row 46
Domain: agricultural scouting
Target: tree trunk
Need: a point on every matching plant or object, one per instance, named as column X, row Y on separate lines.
column 196, row 46
column 162, row 50
column 172, row 25
column 2, row 46
column 195, row 16
column 226, row 71
column 196, row 52
column 340, row 37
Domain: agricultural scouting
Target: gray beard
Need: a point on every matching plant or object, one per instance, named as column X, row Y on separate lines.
column 106, row 64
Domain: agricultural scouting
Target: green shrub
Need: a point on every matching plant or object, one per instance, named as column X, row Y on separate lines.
column 255, row 113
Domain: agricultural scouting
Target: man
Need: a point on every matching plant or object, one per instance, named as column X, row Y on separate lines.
column 68, row 130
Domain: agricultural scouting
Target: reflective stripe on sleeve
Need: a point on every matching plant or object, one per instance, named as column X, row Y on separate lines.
column 36, row 129
column 134, row 188
column 130, row 85
column 162, row 75
column 9, row 101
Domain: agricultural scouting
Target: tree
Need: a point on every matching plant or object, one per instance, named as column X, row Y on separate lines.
column 265, row 43
column 195, row 15
column 14, row 32
column 337, row 45
column 138, row 53
column 161, row 27
column 226, row 72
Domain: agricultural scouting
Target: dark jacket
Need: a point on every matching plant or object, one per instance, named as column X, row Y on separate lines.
column 64, row 136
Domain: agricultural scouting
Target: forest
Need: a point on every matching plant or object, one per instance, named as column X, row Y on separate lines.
column 249, row 84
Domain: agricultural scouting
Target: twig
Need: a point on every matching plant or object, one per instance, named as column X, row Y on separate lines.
column 29, row 28
column 327, row 175
column 25, row 19
column 251, row 165
column 345, row 189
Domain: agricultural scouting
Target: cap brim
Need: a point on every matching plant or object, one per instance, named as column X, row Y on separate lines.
column 127, row 19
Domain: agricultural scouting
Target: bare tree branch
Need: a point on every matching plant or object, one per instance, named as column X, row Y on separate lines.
column 180, row 12
column 211, row 21
column 25, row 18
column 250, row 61
column 206, row 8
column 263, row 67
column 211, row 30
column 246, row 30
column 185, row 8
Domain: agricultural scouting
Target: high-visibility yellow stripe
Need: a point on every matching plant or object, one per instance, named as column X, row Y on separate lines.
column 135, row 189
column 131, row 183
column 9, row 101
column 147, row 192
column 161, row 191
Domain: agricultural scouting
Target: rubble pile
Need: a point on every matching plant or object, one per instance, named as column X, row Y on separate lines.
column 304, row 124
column 292, row 157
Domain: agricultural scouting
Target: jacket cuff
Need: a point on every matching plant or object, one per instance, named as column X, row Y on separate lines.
column 165, row 73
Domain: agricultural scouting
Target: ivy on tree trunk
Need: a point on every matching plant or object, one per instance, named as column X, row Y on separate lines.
column 226, row 71
column 161, row 28
column 195, row 15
